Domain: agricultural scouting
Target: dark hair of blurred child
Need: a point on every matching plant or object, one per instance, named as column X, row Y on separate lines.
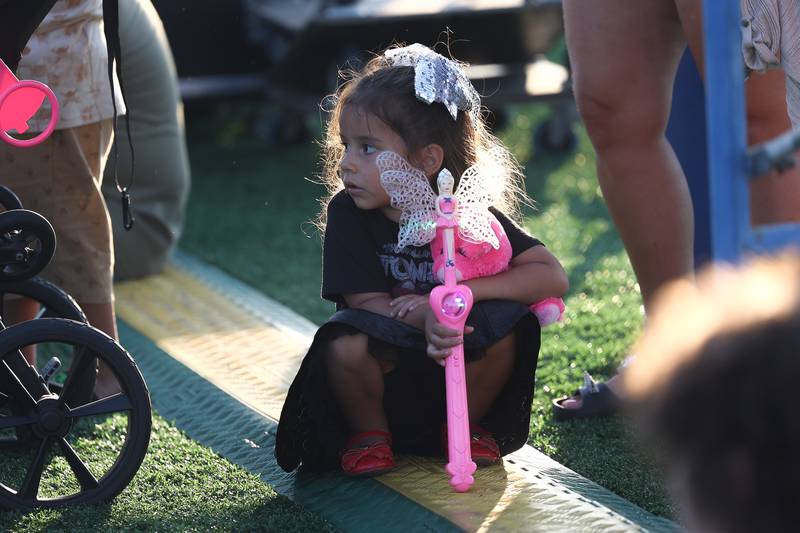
column 713, row 394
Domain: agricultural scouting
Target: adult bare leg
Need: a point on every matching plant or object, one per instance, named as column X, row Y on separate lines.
column 103, row 317
column 100, row 316
column 690, row 13
column 624, row 56
column 16, row 310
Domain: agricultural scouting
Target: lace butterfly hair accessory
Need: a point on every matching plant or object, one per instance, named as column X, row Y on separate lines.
column 438, row 79
column 410, row 191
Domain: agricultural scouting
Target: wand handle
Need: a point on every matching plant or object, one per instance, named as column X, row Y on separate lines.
column 451, row 303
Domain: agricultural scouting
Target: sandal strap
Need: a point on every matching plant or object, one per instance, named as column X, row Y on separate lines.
column 476, row 433
column 378, row 450
column 385, row 438
column 484, row 438
column 356, row 451
column 589, row 385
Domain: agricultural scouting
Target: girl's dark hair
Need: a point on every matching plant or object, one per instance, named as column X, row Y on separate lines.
column 387, row 92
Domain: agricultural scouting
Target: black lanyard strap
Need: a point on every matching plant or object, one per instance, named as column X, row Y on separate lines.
column 111, row 19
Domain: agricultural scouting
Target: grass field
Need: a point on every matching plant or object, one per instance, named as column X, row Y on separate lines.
column 181, row 486
column 250, row 213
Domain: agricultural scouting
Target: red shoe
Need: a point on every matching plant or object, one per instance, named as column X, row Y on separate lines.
column 482, row 446
column 368, row 454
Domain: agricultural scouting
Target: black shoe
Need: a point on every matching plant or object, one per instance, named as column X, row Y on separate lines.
column 597, row 401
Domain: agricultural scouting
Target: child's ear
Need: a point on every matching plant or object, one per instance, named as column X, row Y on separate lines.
column 430, row 158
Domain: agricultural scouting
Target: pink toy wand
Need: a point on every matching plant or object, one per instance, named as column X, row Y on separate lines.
column 19, row 101
column 451, row 304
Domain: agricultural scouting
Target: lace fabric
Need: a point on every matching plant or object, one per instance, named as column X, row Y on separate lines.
column 410, row 191
column 478, row 189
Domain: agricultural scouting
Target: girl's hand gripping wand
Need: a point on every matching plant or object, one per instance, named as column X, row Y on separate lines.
column 451, row 304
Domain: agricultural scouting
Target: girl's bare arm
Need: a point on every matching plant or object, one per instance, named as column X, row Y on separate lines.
column 533, row 275
column 378, row 302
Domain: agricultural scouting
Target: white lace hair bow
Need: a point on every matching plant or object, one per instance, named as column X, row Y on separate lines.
column 410, row 192
column 438, row 79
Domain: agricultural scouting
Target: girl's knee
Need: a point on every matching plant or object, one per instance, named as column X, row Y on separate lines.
column 503, row 346
column 487, row 376
column 348, row 351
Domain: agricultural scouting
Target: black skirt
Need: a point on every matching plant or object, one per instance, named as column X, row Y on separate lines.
column 312, row 429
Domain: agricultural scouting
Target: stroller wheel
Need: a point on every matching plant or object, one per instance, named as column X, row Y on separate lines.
column 27, row 243
column 53, row 303
column 73, row 450
column 8, row 199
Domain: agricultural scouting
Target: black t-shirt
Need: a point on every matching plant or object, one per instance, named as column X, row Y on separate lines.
column 359, row 253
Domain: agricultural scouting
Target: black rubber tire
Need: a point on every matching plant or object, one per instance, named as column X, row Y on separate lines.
column 8, row 199
column 28, row 226
column 57, row 303
column 133, row 386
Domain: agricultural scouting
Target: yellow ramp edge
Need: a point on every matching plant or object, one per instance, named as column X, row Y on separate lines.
column 247, row 357
column 251, row 346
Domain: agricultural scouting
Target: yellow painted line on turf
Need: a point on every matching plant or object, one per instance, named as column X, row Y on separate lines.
column 254, row 358
column 250, row 359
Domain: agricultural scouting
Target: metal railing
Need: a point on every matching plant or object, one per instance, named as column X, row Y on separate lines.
column 731, row 164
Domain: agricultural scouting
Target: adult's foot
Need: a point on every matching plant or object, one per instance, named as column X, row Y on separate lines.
column 593, row 400
column 576, row 401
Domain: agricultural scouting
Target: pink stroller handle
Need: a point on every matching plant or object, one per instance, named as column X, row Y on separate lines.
column 451, row 303
column 27, row 100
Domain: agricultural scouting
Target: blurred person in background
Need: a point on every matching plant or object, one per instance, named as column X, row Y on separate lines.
column 712, row 390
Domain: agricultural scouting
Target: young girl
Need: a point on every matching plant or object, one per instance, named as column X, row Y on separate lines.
column 370, row 384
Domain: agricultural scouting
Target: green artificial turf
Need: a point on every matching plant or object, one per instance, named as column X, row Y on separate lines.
column 181, row 486
column 250, row 214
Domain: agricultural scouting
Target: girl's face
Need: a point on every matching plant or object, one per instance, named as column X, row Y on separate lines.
column 364, row 136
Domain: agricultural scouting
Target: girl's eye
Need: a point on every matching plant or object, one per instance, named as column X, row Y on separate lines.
column 369, row 149
column 346, row 146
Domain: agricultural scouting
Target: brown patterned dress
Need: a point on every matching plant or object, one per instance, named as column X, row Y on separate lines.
column 61, row 177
